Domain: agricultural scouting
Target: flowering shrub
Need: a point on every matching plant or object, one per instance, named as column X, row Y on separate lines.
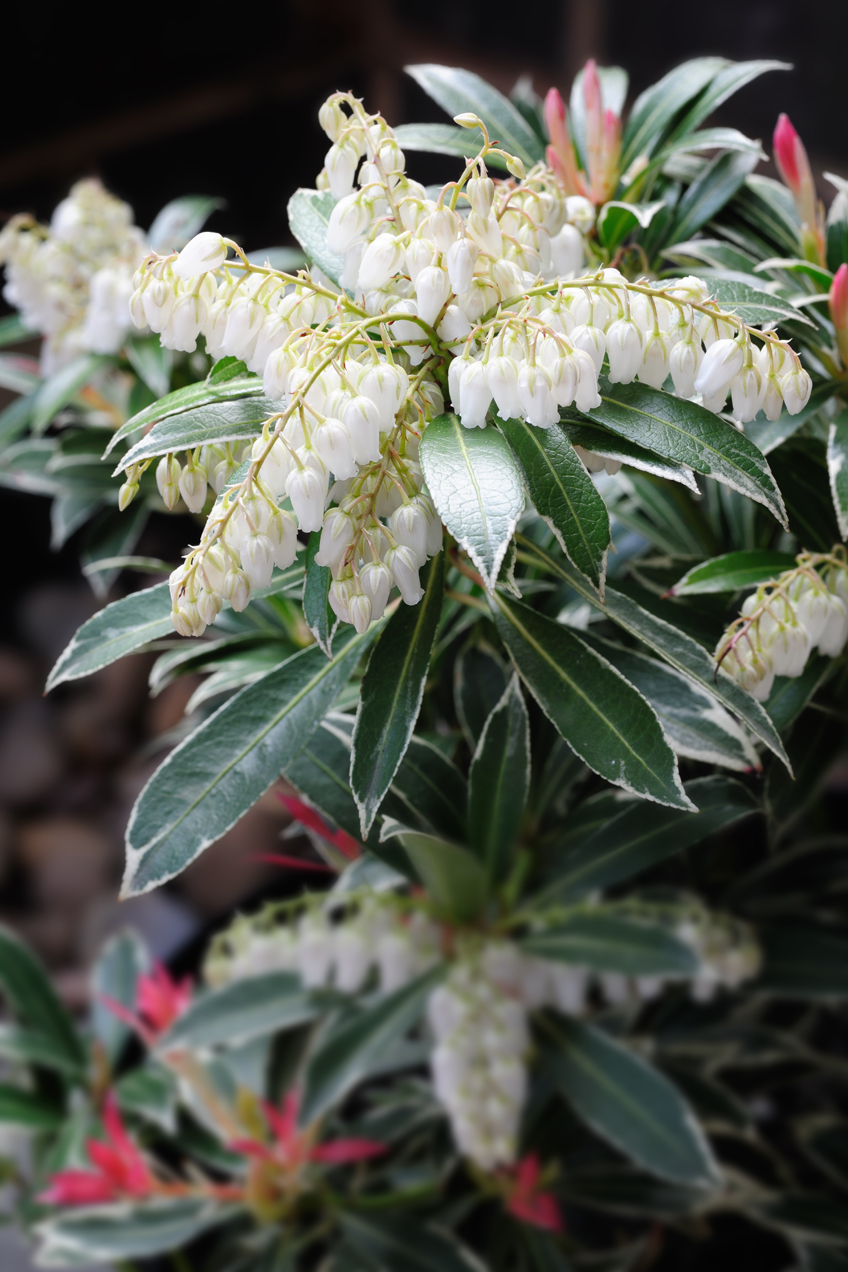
column 577, row 948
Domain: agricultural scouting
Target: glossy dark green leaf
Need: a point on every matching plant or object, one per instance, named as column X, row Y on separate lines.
column 630, row 836
column 479, row 681
column 604, row 720
column 211, row 779
column 320, row 619
column 564, row 495
column 689, row 434
column 715, row 185
column 837, row 467
column 114, row 977
column 767, row 205
column 350, row 1051
column 445, row 139
column 729, row 80
column 476, row 487
column 402, row 1243
column 803, row 961
column 108, row 545
column 208, row 392
column 391, row 693
column 791, row 694
column 150, row 1092
column 499, row 782
column 37, row 1050
column 31, row 999
column 654, row 110
column 625, row 1191
column 629, row 1103
column 251, row 1008
column 239, row 421
column 732, row 571
column 805, row 1215
column 27, row 1109
column 673, row 645
column 458, row 91
column 62, row 387
column 608, row 941
column 453, row 876
column 594, row 437
column 121, row 628
column 309, row 215
column 750, row 303
column 695, row 725
column 837, row 232
column 152, row 363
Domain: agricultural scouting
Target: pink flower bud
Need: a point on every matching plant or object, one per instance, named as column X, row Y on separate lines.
column 839, row 310
column 794, row 167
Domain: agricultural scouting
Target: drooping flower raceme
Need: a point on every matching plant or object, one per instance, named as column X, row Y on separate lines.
column 72, row 280
column 474, row 293
column 786, row 620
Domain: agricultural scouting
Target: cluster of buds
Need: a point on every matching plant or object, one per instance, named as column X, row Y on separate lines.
column 603, row 142
column 479, row 280
column 785, row 620
column 792, row 162
column 71, row 280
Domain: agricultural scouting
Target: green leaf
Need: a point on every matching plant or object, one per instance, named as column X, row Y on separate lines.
column 32, row 1000
column 454, row 878
column 790, row 695
column 749, row 303
column 608, row 941
column 499, row 782
column 479, row 681
column 654, row 110
column 19, row 373
column 476, row 487
column 108, row 544
column 695, row 725
column 26, row 1108
column 206, row 392
column 309, row 215
column 180, row 220
column 564, row 495
column 629, row 836
column 688, row 434
column 767, row 205
column 320, row 619
column 211, row 779
column 350, row 1050
column 803, row 961
column 238, row 421
column 769, row 434
column 13, row 331
column 391, row 694
column 711, row 139
column 62, row 387
column 630, row 1104
column 119, row 629
column 401, row 1243
column 729, row 80
column 603, row 719
column 251, row 1008
column 675, row 647
column 617, row 219
column 14, row 420
column 445, row 139
column 127, row 1230
column 151, row 361
column 458, row 91
column 733, row 571
column 602, row 441
column 115, row 976
column 837, row 468
column 37, row 1050
column 150, row 1092
column 837, row 231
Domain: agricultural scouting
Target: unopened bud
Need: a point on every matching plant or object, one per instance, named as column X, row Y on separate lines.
column 839, row 310
column 127, row 494
column 468, row 120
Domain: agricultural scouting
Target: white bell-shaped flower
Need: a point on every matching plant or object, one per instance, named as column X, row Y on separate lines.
column 722, row 361
column 476, row 396
column 625, row 350
column 206, row 251
column 375, row 580
column 403, row 564
column 333, row 443
column 307, row 492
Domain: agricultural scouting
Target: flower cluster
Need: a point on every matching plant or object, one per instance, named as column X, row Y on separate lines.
column 480, row 282
column 785, row 620
column 72, row 280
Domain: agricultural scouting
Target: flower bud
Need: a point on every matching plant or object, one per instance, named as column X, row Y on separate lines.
column 432, row 288
column 383, row 258
column 375, row 579
column 209, row 605
column 359, row 608
column 794, row 167
column 796, row 387
column 839, row 310
column 403, row 564
column 333, row 443
column 339, row 597
column 206, row 251
column 461, row 258
column 168, row 481
column 409, row 526
column 445, row 226
column 481, row 194
column 340, row 166
column 127, row 494
column 193, row 487
column 337, row 534
column 307, row 492
column 237, row 589
column 332, row 119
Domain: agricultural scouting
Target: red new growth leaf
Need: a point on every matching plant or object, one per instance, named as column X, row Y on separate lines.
column 159, row 1001
column 308, row 817
column 293, row 1149
column 120, row 1171
column 526, row 1202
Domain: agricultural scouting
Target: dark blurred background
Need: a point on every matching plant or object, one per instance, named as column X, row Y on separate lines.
column 220, row 100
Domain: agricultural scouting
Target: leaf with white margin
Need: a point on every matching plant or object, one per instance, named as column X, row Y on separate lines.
column 475, row 484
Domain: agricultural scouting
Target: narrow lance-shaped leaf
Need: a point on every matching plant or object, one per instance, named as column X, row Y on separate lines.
column 751, row 304
column 62, row 387
column 119, row 629
column 732, row 571
column 445, row 139
column 238, row 421
column 250, row 1008
column 453, row 876
column 212, row 390
column 211, row 779
column 401, row 1243
column 678, row 649
column 31, row 998
column 654, row 109
column 320, row 619
column 564, row 495
column 127, row 1231
column 688, row 434
column 607, row 940
column 602, row 441
column 349, row 1051
column 115, row 978
column 458, row 91
column 476, row 487
column 837, row 467
column 499, row 781
column 629, row 1103
column 711, row 189
column 603, row 718
column 391, row 694
column 309, row 215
